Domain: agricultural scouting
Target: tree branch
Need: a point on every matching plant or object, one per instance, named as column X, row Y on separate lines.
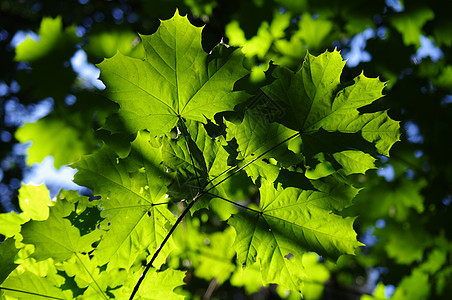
column 199, row 195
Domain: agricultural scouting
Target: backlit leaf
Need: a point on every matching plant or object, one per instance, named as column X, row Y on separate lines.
column 176, row 79
column 312, row 99
column 290, row 222
column 132, row 191
column 32, row 286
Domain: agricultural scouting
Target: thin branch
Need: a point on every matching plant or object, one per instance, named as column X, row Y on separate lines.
column 149, row 264
column 213, row 284
column 249, row 163
column 225, row 171
column 30, row 293
column 199, row 195
column 232, row 202
column 162, row 203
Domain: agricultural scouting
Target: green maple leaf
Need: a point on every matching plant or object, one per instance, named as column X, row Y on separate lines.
column 405, row 246
column 32, row 287
column 8, row 252
column 289, row 222
column 257, row 137
column 87, row 275
column 354, row 161
column 197, row 160
column 34, row 201
column 59, row 137
column 56, row 237
column 52, row 37
column 313, row 100
column 157, row 285
column 177, row 79
column 210, row 254
column 132, row 192
column 436, row 260
column 411, row 22
column 416, row 286
column 260, row 44
column 83, row 269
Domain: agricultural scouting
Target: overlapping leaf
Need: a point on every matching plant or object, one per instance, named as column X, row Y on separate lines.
column 157, row 285
column 197, row 160
column 28, row 285
column 8, row 251
column 313, row 99
column 178, row 84
column 132, row 192
column 56, row 237
column 289, row 222
column 258, row 138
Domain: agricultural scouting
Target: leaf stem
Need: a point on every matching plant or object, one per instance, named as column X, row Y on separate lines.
column 199, row 195
column 249, row 163
column 225, row 171
column 232, row 202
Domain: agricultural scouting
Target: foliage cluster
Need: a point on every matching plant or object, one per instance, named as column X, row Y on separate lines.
column 268, row 157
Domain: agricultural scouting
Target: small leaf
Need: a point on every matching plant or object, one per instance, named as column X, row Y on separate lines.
column 354, row 161
column 51, row 36
column 34, row 202
column 59, row 137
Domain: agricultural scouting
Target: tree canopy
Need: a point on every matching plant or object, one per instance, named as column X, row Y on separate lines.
column 230, row 149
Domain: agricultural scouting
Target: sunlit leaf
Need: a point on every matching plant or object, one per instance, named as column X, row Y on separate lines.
column 157, row 285
column 32, row 286
column 51, row 36
column 35, row 202
column 57, row 137
column 177, row 79
column 290, row 222
column 132, row 192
